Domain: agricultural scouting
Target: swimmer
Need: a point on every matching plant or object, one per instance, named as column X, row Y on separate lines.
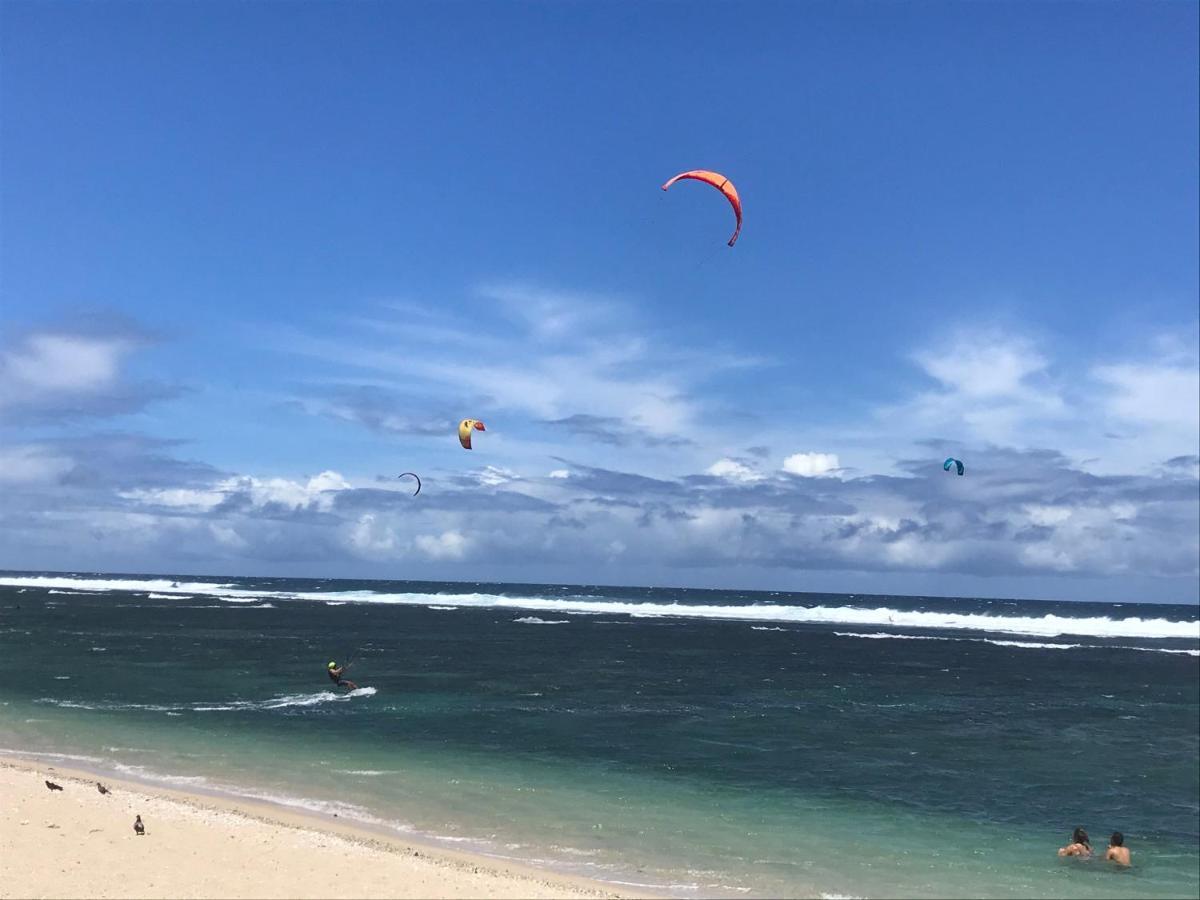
column 1080, row 845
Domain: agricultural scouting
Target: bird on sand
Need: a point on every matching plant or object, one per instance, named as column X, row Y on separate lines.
column 138, row 827
column 53, row 786
column 102, row 788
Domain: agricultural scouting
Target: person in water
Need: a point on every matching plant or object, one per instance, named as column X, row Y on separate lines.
column 1117, row 851
column 335, row 675
column 1080, row 845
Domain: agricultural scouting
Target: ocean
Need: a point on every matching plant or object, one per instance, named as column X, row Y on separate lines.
column 698, row 743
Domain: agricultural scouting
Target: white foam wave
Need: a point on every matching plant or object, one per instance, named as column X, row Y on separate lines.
column 289, row 700
column 228, row 706
column 36, row 754
column 1050, row 625
column 534, row 620
column 442, row 608
column 147, row 775
column 370, row 773
column 766, row 628
column 154, row 596
column 76, row 593
column 324, row 807
column 1028, row 645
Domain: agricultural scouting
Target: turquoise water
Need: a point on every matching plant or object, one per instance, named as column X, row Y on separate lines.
column 703, row 743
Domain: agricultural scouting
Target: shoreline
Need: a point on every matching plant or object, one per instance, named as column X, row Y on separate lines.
column 341, row 858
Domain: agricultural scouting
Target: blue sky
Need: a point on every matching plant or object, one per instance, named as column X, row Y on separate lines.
column 257, row 257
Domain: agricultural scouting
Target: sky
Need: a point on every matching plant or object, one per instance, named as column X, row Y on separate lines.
column 256, row 259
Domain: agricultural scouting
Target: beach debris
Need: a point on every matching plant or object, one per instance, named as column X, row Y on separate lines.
column 53, row 786
column 102, row 788
column 465, row 427
column 138, row 828
column 722, row 184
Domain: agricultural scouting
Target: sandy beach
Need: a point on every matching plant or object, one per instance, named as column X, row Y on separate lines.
column 80, row 843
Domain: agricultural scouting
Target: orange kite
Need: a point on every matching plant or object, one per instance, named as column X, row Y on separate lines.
column 722, row 184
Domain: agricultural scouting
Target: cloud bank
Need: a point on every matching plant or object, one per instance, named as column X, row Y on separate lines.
column 608, row 458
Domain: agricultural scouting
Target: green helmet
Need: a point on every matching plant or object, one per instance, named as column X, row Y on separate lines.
column 332, row 665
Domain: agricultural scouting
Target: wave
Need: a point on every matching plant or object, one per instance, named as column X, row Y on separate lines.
column 217, row 706
column 1028, row 645
column 534, row 620
column 43, row 754
column 442, row 608
column 76, row 593
column 1050, row 625
column 147, row 775
column 154, row 596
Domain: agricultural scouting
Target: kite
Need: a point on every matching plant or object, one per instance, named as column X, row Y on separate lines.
column 722, row 184
column 414, row 475
column 952, row 462
column 464, row 431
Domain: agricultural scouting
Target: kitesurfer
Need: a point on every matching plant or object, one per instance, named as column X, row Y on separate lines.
column 335, row 675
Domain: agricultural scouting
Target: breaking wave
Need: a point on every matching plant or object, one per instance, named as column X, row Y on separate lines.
column 1027, row 645
column 1047, row 626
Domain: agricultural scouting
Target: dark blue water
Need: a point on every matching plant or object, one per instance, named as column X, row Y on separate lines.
column 711, row 742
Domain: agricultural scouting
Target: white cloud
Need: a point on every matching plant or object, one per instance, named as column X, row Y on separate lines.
column 447, row 545
column 195, row 499
column 811, row 465
column 65, row 362
column 227, row 536
column 31, row 463
column 734, row 471
column 999, row 388
column 492, row 476
column 1040, row 514
column 548, row 356
column 1162, row 395
column 984, row 364
column 316, row 493
column 57, row 374
column 373, row 538
column 560, row 473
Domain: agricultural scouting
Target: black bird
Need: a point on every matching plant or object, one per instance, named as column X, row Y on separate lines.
column 53, row 786
column 138, row 826
column 102, row 788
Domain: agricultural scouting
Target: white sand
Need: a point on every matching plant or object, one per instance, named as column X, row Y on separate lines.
column 79, row 843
